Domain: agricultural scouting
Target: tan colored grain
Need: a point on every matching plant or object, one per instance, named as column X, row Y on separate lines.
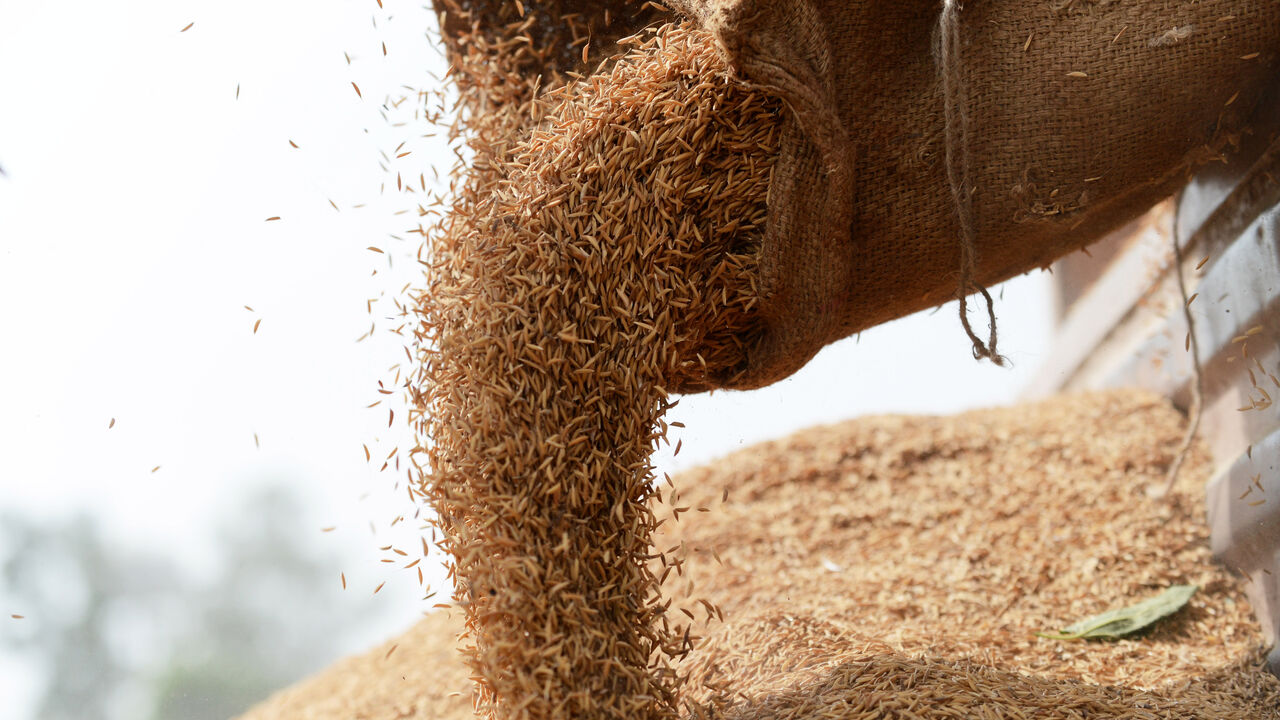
column 956, row 539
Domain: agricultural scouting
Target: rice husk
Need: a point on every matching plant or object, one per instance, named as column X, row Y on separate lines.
column 897, row 567
column 600, row 250
column 603, row 256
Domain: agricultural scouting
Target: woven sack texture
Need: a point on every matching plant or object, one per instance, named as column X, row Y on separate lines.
column 1059, row 121
column 1075, row 115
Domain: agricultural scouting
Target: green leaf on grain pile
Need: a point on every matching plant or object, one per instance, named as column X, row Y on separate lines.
column 1123, row 621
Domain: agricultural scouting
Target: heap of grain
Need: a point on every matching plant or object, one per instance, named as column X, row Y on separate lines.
column 898, row 568
column 587, row 266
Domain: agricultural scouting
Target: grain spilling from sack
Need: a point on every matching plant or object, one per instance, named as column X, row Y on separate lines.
column 898, row 567
column 588, row 265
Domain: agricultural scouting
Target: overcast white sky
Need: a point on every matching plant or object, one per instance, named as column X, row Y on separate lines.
column 133, row 232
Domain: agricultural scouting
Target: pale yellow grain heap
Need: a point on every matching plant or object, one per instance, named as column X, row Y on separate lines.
column 896, row 568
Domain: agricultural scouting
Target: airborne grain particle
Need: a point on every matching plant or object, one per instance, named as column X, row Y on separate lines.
column 344, row 581
column 256, row 324
column 188, row 27
column 1250, row 56
column 375, row 590
column 393, row 647
column 273, row 218
column 330, row 528
column 156, row 468
column 1203, row 260
column 293, row 144
column 357, row 87
column 18, row 617
column 111, row 424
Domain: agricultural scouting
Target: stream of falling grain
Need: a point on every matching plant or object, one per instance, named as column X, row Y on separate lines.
column 585, row 268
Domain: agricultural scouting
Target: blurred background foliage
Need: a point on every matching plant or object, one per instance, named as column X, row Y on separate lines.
column 119, row 632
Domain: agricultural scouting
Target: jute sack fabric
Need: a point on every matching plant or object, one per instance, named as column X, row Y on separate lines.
column 931, row 146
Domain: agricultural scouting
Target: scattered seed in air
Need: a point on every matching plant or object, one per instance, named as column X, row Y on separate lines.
column 393, row 647
column 255, row 441
column 344, row 581
column 331, row 528
column 1203, row 260
column 294, row 144
column 1250, row 56
column 273, row 218
column 17, row 617
column 1077, row 74
column 255, row 326
column 377, row 250
column 111, row 424
column 188, row 27
column 237, row 91
column 357, row 87
column 155, row 468
column 375, row 590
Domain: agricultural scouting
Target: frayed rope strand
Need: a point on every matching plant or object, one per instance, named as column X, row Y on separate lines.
column 1197, row 383
column 956, row 144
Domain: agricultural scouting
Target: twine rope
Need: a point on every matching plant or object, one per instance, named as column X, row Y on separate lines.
column 1193, row 346
column 956, row 146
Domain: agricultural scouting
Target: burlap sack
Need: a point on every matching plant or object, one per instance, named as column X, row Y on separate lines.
column 1069, row 118
column 932, row 148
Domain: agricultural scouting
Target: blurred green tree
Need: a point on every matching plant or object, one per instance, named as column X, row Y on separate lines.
column 127, row 633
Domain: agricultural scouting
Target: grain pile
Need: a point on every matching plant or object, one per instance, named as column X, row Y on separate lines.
column 600, row 253
column 896, row 567
column 599, row 250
